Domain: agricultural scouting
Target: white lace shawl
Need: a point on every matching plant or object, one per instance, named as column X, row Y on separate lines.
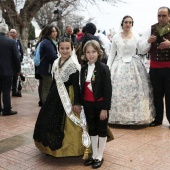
column 69, row 67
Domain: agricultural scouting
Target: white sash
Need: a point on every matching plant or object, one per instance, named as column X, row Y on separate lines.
column 68, row 109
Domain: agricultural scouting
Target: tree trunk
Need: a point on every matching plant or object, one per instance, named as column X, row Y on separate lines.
column 21, row 21
column 23, row 33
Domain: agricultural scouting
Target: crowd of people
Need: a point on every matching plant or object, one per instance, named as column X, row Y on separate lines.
column 87, row 81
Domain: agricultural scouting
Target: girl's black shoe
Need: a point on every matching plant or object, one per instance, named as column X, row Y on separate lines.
column 89, row 161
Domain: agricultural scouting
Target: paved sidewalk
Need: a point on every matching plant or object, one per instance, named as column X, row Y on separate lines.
column 134, row 147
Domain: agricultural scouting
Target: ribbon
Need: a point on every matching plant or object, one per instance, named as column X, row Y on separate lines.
column 68, row 109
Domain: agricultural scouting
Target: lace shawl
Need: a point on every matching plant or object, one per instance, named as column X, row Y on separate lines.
column 68, row 68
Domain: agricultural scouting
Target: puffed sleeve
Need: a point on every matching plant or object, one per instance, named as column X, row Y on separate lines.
column 112, row 52
column 143, row 44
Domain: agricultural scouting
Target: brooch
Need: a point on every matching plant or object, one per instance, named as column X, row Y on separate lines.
column 93, row 75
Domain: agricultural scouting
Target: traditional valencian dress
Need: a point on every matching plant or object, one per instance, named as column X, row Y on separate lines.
column 58, row 132
column 132, row 99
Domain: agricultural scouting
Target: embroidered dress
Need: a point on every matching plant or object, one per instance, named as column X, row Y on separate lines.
column 132, row 100
column 55, row 134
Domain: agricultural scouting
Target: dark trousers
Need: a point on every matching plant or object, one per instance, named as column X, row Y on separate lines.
column 14, row 84
column 5, row 89
column 95, row 125
column 160, row 79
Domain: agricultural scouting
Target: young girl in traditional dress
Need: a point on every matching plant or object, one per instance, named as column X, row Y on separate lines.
column 58, row 132
column 96, row 91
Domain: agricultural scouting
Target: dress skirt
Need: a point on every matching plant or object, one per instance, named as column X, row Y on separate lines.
column 132, row 98
column 55, row 134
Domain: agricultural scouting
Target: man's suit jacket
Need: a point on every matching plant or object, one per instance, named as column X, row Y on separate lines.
column 9, row 58
column 20, row 50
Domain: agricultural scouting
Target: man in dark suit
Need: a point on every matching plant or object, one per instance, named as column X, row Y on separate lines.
column 9, row 66
column 13, row 35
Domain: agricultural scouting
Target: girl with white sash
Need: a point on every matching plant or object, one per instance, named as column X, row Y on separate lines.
column 60, row 129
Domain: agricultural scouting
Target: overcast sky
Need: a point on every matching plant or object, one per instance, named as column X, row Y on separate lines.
column 144, row 13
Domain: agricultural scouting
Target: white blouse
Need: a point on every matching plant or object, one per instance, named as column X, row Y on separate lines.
column 90, row 72
column 123, row 48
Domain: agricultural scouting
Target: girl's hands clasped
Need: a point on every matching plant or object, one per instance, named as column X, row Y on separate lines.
column 77, row 108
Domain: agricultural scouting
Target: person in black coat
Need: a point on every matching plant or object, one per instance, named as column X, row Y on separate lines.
column 15, row 91
column 89, row 34
column 90, row 30
column 9, row 66
column 96, row 93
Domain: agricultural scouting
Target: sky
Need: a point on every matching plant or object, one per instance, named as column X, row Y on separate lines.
column 143, row 12
column 106, row 17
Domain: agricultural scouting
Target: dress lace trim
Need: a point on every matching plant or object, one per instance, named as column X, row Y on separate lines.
column 68, row 68
column 71, row 68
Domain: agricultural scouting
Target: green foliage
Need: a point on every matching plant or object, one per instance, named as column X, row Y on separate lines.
column 31, row 35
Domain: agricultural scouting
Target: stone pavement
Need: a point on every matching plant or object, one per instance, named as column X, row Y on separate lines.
column 134, row 147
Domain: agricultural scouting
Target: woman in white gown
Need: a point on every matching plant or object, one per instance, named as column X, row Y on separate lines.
column 132, row 100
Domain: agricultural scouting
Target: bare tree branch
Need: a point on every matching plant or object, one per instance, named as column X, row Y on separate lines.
column 20, row 17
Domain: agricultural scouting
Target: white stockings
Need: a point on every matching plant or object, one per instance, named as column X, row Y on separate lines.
column 98, row 146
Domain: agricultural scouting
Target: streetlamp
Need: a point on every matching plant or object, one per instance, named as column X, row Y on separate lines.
column 58, row 15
